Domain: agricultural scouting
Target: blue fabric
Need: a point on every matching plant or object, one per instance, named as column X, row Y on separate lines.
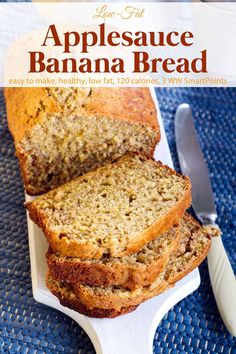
column 192, row 326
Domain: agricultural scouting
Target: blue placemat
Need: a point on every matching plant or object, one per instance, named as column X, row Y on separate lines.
column 192, row 326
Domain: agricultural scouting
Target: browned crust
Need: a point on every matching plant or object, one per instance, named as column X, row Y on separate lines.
column 31, row 190
column 76, row 305
column 23, row 106
column 24, row 111
column 109, row 273
column 88, row 250
column 94, row 312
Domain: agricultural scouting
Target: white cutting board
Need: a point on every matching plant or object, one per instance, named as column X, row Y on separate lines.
column 129, row 334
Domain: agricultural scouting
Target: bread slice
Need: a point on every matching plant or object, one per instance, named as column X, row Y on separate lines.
column 194, row 245
column 138, row 269
column 66, row 296
column 61, row 133
column 114, row 210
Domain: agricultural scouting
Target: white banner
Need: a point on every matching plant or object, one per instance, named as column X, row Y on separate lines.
column 117, row 44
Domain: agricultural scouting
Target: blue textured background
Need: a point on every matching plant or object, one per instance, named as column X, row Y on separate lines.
column 192, row 326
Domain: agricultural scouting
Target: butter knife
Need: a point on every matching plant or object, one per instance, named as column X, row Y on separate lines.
column 193, row 165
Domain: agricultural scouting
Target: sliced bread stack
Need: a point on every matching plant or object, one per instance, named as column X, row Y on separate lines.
column 119, row 235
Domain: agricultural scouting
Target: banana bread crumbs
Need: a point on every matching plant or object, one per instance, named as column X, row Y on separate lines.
column 61, row 133
column 114, row 210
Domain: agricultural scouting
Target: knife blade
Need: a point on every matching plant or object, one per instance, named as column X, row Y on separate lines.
column 192, row 164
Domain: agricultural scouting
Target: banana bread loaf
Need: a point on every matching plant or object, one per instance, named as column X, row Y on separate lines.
column 61, row 133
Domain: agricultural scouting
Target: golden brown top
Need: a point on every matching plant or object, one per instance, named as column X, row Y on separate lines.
column 27, row 107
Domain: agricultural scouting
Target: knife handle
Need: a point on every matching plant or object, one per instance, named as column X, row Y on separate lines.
column 223, row 283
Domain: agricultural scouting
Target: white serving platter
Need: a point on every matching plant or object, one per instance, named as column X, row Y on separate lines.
column 129, row 334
